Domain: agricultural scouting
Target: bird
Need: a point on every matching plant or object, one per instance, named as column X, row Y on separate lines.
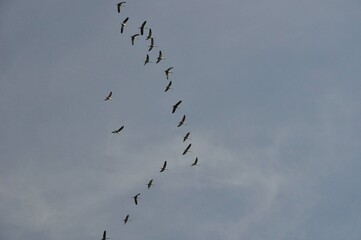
column 123, row 24
column 168, row 71
column 118, row 130
column 105, row 235
column 126, row 219
column 136, row 199
column 151, row 46
column 164, row 167
column 119, row 5
column 150, row 183
column 142, row 28
column 147, row 60
column 183, row 121
column 109, row 97
column 134, row 37
column 186, row 137
column 195, row 163
column 176, row 106
column 150, row 36
column 168, row 86
column 187, row 149
column 160, row 57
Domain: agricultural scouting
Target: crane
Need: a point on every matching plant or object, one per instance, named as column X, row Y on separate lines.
column 119, row 5
column 136, row 199
column 123, row 24
column 147, row 60
column 195, row 163
column 150, row 183
column 150, row 36
column 133, row 37
column 187, row 149
column 168, row 86
column 105, row 235
column 118, row 130
column 168, row 71
column 126, row 219
column 152, row 45
column 142, row 27
column 164, row 167
column 160, row 57
column 183, row 121
column 109, row 97
column 186, row 137
column 175, row 106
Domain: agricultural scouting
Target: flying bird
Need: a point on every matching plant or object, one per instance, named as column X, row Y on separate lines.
column 176, row 106
column 109, row 97
column 105, row 235
column 147, row 60
column 150, row 36
column 134, row 37
column 151, row 46
column 187, row 149
column 183, row 121
column 123, row 24
column 142, row 28
column 164, row 167
column 119, row 5
column 168, row 86
column 150, row 183
column 126, row 219
column 118, row 130
column 136, row 199
column 186, row 137
column 160, row 57
column 195, row 162
column 168, row 71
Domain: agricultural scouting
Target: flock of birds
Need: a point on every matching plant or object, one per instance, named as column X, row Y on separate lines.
column 167, row 73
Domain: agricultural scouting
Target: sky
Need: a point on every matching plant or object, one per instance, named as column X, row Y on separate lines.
column 270, row 90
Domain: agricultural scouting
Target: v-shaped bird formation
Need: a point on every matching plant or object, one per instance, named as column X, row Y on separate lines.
column 125, row 25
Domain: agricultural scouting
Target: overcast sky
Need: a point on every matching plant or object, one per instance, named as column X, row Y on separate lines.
column 271, row 91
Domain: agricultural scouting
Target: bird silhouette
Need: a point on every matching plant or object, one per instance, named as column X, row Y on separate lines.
column 160, row 57
column 142, row 27
column 105, row 235
column 147, row 60
column 136, row 199
column 150, row 36
column 186, row 137
column 150, row 183
column 133, row 37
column 195, row 163
column 109, row 97
column 152, row 45
column 187, row 149
column 119, row 5
column 175, row 106
column 123, row 24
column 164, row 167
column 183, row 121
column 168, row 86
column 126, row 219
column 168, row 71
column 118, row 130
